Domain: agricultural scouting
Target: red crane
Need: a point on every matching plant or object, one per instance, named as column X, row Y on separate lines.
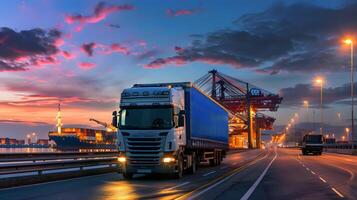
column 241, row 98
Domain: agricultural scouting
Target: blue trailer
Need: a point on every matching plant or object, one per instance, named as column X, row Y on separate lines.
column 168, row 128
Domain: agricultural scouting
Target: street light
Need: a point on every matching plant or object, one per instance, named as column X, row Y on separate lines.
column 349, row 41
column 320, row 82
column 348, row 133
column 306, row 104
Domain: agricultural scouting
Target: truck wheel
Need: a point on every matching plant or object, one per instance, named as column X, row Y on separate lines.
column 128, row 175
column 219, row 158
column 179, row 172
column 193, row 168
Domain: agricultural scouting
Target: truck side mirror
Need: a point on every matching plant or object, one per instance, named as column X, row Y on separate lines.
column 181, row 120
column 115, row 119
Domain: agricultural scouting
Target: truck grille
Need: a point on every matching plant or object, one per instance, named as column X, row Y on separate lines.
column 144, row 151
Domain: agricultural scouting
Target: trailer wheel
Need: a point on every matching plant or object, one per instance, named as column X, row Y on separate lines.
column 193, row 168
column 219, row 158
column 179, row 172
column 128, row 175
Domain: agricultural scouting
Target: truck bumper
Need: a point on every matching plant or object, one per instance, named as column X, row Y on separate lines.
column 312, row 149
column 164, row 168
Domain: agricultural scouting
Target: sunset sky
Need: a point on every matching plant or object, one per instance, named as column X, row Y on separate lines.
column 83, row 53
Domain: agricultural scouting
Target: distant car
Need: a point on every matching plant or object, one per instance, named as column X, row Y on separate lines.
column 312, row 144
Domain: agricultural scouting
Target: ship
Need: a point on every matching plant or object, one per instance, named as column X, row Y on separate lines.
column 74, row 138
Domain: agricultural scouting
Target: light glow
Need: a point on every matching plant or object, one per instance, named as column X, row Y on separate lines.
column 168, row 159
column 348, row 41
column 122, row 159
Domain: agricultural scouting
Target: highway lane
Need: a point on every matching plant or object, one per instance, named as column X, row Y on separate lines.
column 285, row 178
column 336, row 169
column 113, row 186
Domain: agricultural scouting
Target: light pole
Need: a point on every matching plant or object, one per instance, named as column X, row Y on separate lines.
column 306, row 104
column 320, row 82
column 350, row 42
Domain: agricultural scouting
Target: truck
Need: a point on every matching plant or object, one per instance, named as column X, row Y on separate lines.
column 169, row 129
column 312, row 143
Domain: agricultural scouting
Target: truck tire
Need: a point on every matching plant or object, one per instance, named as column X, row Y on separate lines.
column 128, row 175
column 179, row 172
column 193, row 168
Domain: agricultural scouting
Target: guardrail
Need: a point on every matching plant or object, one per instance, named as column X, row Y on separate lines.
column 340, row 146
column 350, row 149
column 25, row 168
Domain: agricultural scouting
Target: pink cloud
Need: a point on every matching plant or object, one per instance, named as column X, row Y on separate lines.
column 67, row 55
column 101, row 11
column 88, row 48
column 59, row 42
column 175, row 13
column 86, row 65
column 118, row 48
column 42, row 61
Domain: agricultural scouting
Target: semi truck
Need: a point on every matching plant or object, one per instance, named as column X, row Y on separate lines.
column 312, row 143
column 169, row 128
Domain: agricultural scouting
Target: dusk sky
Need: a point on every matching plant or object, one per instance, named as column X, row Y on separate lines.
column 84, row 53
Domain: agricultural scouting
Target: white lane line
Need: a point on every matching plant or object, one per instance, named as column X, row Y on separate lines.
column 308, row 169
column 212, row 172
column 223, row 167
column 323, row 180
column 176, row 186
column 256, row 183
column 313, row 172
column 337, row 192
column 234, row 163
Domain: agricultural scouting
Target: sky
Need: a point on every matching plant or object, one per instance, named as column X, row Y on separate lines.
column 83, row 53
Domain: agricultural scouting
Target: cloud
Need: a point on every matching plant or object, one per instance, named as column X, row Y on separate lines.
column 115, row 47
column 298, row 37
column 67, row 55
column 88, row 48
column 86, row 65
column 175, row 13
column 117, row 26
column 101, row 11
column 21, row 50
column 294, row 96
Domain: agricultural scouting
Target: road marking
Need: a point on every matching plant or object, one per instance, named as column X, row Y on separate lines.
column 212, row 172
column 256, row 183
column 337, row 192
column 323, row 180
column 308, row 169
column 191, row 195
column 234, row 163
column 176, row 186
column 223, row 167
column 313, row 172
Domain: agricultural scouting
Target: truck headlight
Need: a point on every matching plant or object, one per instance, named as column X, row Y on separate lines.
column 168, row 159
column 122, row 159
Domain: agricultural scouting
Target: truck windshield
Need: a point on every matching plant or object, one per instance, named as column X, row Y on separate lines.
column 313, row 139
column 146, row 118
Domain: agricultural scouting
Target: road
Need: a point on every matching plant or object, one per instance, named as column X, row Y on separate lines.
column 259, row 174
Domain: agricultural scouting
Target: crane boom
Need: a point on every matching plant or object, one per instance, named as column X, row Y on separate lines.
column 106, row 125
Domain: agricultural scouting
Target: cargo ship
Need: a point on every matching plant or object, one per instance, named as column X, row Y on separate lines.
column 82, row 138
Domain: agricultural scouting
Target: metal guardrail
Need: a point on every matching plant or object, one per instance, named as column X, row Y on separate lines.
column 17, row 163
column 340, row 146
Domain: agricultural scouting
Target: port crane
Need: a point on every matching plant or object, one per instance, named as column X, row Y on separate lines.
column 109, row 127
